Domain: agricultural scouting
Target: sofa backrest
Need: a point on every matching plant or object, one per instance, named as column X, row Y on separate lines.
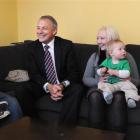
column 11, row 58
column 83, row 52
column 134, row 50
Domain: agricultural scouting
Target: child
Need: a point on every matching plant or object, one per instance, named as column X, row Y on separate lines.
column 4, row 112
column 115, row 74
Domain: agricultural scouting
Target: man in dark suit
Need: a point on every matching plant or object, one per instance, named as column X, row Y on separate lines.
column 65, row 85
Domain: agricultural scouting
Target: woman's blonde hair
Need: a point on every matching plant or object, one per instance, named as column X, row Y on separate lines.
column 112, row 33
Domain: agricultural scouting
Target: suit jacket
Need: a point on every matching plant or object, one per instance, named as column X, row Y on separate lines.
column 65, row 61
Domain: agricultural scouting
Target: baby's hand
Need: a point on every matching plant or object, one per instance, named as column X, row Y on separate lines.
column 103, row 70
column 113, row 72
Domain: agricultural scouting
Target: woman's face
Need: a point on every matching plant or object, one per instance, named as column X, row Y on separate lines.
column 102, row 39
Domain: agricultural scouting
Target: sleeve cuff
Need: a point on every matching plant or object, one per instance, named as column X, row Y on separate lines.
column 45, row 87
column 65, row 83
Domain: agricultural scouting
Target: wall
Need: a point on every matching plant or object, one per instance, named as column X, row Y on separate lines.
column 8, row 22
column 79, row 20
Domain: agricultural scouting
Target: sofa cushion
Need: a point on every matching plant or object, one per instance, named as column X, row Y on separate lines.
column 22, row 91
column 83, row 52
column 134, row 50
column 133, row 132
column 11, row 58
column 134, row 114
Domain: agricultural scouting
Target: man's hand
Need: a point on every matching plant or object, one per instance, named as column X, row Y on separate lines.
column 55, row 91
column 56, row 98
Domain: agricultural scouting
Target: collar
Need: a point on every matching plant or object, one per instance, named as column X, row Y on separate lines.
column 50, row 44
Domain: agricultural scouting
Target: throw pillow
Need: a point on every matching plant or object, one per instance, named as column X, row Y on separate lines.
column 17, row 76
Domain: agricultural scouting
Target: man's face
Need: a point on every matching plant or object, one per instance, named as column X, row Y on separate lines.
column 45, row 30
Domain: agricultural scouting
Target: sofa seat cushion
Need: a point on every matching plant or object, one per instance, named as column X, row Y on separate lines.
column 134, row 115
column 11, row 58
column 8, row 85
column 133, row 132
column 22, row 92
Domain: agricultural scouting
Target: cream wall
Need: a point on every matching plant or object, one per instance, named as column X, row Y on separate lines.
column 8, row 22
column 78, row 20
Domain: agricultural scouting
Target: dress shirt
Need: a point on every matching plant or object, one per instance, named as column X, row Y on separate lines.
column 51, row 50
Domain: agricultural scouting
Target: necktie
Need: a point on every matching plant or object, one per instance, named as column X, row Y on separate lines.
column 49, row 67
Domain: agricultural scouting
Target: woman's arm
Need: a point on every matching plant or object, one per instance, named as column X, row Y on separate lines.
column 90, row 77
column 134, row 70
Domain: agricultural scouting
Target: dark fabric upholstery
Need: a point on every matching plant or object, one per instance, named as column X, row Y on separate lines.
column 133, row 132
column 13, row 57
column 134, row 50
column 22, row 92
column 134, row 115
column 83, row 52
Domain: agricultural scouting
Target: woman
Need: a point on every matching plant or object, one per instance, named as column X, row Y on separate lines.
column 101, row 115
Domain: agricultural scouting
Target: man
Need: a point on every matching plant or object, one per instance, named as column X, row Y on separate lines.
column 53, row 68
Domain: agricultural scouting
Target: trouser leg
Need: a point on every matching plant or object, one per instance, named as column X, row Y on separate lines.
column 96, row 115
column 71, row 103
column 116, row 113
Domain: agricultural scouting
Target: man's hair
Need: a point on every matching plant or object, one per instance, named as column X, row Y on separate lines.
column 110, row 45
column 111, row 32
column 52, row 19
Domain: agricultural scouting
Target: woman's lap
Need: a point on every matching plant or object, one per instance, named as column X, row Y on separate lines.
column 105, row 116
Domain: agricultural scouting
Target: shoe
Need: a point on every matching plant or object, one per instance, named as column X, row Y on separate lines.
column 131, row 103
column 3, row 105
column 108, row 97
column 4, row 114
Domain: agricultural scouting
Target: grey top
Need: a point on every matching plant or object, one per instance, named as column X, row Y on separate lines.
column 91, row 77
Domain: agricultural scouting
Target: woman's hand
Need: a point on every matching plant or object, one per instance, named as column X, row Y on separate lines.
column 104, row 78
column 104, row 70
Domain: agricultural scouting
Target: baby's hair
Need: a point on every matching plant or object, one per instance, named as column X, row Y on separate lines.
column 110, row 45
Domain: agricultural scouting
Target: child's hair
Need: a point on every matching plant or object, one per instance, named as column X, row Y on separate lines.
column 110, row 45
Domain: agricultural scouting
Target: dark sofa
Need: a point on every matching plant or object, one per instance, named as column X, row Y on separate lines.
column 13, row 57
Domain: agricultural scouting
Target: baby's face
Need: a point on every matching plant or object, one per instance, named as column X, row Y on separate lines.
column 118, row 51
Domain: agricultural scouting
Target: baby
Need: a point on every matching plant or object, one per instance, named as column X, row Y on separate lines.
column 115, row 74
